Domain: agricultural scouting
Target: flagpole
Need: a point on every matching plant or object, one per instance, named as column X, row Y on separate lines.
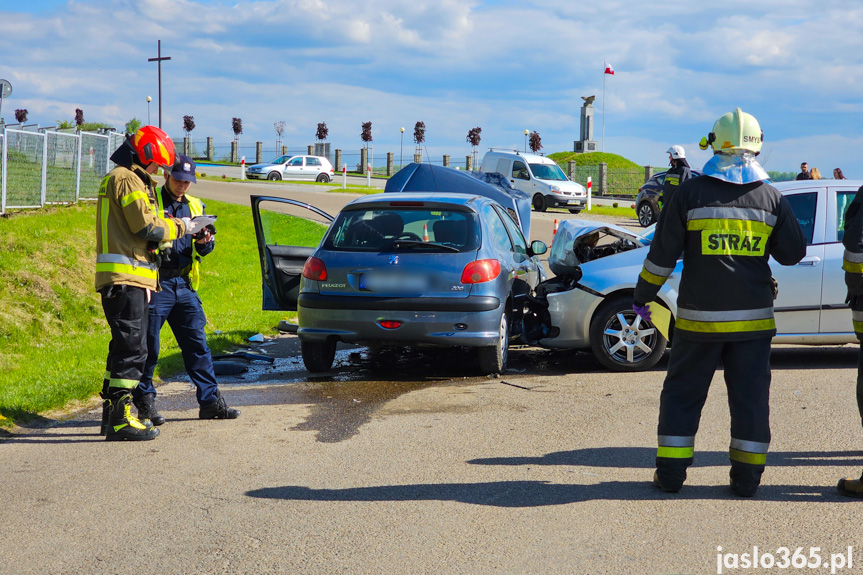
column 603, row 106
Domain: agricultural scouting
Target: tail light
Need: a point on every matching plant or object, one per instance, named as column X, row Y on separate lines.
column 480, row 271
column 390, row 324
column 315, row 269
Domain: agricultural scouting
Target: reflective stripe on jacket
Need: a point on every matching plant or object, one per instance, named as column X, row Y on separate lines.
column 726, row 233
column 196, row 208
column 126, row 221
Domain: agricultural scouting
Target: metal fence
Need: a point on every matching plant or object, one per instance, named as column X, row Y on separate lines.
column 42, row 168
column 52, row 167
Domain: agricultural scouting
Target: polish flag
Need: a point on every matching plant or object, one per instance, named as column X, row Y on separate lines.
column 609, row 69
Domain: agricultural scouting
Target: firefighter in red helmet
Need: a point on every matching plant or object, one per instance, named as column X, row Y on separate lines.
column 128, row 233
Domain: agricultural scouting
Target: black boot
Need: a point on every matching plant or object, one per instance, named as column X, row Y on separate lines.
column 106, row 407
column 146, row 405
column 745, row 478
column 122, row 425
column 218, row 409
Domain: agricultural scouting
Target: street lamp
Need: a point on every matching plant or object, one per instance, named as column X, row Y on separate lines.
column 149, row 99
column 401, row 148
column 526, row 132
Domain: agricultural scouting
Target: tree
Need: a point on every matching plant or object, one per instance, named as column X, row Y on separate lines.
column 474, row 138
column 323, row 131
column 21, row 115
column 188, row 125
column 237, row 127
column 280, row 129
column 133, row 126
column 535, row 142
column 420, row 133
column 366, row 134
column 79, row 117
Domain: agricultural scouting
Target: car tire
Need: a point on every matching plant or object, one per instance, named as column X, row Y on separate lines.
column 646, row 214
column 492, row 359
column 574, row 210
column 539, row 203
column 620, row 340
column 318, row 356
column 274, row 175
column 323, row 178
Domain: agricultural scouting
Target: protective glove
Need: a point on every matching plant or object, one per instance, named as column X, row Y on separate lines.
column 642, row 310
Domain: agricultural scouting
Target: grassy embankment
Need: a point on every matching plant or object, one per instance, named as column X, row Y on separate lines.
column 53, row 335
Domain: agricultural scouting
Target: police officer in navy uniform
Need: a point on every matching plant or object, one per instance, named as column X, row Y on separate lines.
column 178, row 303
column 852, row 263
column 677, row 174
column 726, row 224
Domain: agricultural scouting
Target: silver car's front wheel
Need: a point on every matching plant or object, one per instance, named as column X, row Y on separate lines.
column 623, row 341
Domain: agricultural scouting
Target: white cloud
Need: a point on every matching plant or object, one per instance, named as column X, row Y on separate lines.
column 504, row 66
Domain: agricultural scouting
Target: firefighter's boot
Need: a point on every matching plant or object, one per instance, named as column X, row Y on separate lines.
column 122, row 425
column 106, row 408
column 745, row 478
column 851, row 487
column 146, row 405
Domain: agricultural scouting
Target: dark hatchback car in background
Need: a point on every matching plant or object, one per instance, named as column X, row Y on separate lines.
column 647, row 200
column 404, row 268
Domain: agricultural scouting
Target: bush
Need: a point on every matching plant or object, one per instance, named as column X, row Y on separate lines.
column 615, row 205
column 203, row 175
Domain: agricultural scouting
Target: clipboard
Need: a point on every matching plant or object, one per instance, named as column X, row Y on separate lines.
column 660, row 316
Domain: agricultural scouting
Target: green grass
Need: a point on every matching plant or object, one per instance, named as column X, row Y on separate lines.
column 593, row 159
column 622, row 211
column 53, row 335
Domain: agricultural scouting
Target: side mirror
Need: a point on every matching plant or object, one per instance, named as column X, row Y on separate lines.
column 537, row 248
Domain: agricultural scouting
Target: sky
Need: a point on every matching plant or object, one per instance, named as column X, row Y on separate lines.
column 504, row 66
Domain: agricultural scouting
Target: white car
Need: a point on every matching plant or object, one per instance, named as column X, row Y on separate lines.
column 315, row 168
column 538, row 176
column 589, row 304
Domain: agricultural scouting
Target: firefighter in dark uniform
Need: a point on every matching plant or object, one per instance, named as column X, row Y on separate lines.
column 127, row 227
column 676, row 174
column 852, row 263
column 178, row 303
column 726, row 224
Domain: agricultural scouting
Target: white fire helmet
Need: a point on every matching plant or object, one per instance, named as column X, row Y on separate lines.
column 676, row 152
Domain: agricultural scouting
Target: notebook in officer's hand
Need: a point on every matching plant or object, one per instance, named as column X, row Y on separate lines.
column 199, row 223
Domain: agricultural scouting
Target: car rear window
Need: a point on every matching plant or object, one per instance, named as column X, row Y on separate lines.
column 403, row 229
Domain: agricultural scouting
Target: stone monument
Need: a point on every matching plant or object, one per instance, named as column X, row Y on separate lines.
column 586, row 143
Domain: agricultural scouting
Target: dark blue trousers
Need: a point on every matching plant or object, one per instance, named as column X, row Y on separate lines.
column 690, row 370
column 181, row 307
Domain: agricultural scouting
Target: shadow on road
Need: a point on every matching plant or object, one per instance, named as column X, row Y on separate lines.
column 645, row 457
column 539, row 493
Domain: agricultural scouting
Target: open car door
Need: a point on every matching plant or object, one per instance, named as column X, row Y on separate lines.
column 288, row 232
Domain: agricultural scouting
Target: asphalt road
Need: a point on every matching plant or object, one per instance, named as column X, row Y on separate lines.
column 401, row 464
column 409, row 463
column 542, row 224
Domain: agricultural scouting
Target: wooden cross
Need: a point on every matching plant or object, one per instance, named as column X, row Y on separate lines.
column 159, row 59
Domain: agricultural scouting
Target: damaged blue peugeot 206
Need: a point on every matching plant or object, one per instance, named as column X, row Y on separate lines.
column 439, row 259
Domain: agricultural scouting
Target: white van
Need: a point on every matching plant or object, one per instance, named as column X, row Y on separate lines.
column 539, row 176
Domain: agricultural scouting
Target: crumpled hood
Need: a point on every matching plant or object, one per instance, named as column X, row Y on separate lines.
column 571, row 233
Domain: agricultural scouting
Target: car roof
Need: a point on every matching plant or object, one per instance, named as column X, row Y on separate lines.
column 535, row 158
column 425, row 197
column 802, row 184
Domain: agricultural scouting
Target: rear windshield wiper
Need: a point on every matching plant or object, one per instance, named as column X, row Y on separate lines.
column 415, row 244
